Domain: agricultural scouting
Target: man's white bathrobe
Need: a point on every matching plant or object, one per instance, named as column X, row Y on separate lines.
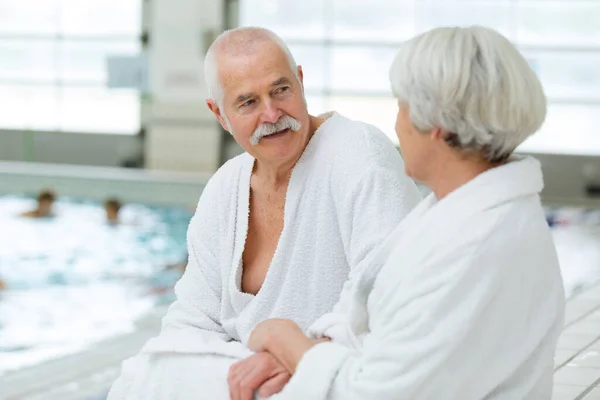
column 468, row 305
column 346, row 195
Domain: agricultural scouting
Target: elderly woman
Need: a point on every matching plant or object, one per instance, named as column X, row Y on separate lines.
column 469, row 303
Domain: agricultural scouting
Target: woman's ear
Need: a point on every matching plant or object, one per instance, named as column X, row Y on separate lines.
column 437, row 134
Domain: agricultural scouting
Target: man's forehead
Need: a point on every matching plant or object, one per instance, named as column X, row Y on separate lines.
column 249, row 80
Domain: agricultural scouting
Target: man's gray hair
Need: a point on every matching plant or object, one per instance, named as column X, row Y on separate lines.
column 238, row 42
column 473, row 83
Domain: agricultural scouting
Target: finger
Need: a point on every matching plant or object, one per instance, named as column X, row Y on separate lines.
column 249, row 374
column 244, row 372
column 248, row 384
column 234, row 390
column 241, row 369
column 232, row 381
column 246, row 393
column 255, row 378
column 231, row 374
column 274, row 385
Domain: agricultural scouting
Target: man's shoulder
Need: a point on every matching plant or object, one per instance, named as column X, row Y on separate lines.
column 361, row 145
column 230, row 169
column 361, row 133
column 222, row 181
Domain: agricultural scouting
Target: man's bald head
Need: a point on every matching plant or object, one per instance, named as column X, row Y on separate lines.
column 239, row 42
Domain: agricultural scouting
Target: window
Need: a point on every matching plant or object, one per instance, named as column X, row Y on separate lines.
column 313, row 65
column 568, row 76
column 371, row 21
column 370, row 63
column 346, row 48
column 53, row 65
column 558, row 23
column 496, row 14
column 292, row 19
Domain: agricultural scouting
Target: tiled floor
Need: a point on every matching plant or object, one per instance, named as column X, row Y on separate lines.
column 577, row 362
column 577, row 371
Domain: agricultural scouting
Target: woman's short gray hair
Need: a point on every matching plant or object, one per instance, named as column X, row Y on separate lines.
column 474, row 84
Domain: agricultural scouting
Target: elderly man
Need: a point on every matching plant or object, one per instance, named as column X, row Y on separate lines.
column 278, row 230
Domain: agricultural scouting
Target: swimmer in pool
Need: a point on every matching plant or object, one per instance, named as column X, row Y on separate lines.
column 45, row 200
column 112, row 207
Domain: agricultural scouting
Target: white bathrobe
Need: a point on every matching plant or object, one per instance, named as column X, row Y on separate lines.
column 468, row 305
column 346, row 195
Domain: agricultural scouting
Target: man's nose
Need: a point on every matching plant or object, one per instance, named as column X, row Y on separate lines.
column 270, row 113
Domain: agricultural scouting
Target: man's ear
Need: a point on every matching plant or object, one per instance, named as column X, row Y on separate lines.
column 301, row 75
column 301, row 81
column 212, row 106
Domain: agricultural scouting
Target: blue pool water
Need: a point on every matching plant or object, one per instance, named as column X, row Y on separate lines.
column 74, row 279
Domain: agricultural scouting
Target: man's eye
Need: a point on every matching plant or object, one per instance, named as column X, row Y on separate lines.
column 248, row 103
column 282, row 89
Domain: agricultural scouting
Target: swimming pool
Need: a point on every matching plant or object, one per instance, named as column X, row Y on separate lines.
column 73, row 279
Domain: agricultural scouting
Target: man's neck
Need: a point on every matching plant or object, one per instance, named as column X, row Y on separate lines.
column 277, row 175
column 273, row 176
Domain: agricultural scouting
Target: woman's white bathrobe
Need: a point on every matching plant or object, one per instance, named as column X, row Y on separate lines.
column 468, row 305
column 346, row 195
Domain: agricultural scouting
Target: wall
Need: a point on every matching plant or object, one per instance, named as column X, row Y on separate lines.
column 180, row 134
column 568, row 178
column 69, row 148
column 98, row 183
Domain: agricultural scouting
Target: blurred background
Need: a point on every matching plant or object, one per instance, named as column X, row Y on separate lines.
column 103, row 126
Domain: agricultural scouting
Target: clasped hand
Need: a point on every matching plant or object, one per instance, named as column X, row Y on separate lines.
column 263, row 371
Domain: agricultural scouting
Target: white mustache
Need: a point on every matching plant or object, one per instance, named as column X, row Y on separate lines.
column 266, row 129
